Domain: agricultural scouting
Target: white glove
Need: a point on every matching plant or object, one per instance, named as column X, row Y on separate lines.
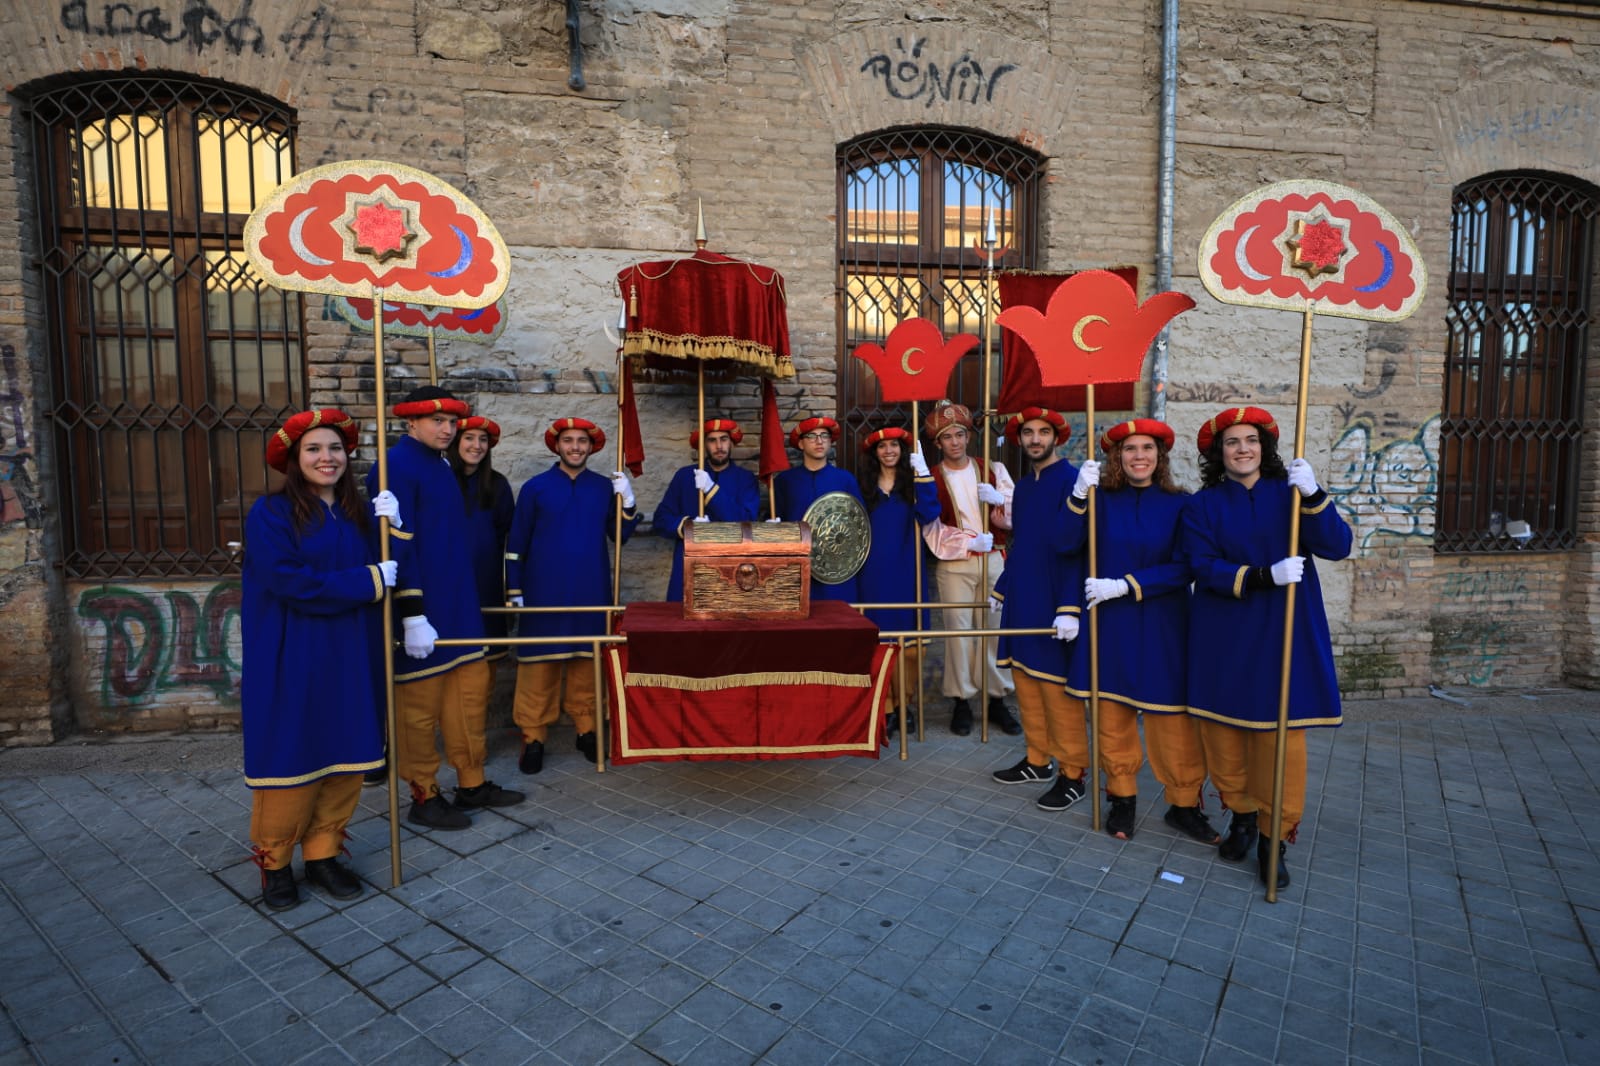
column 1302, row 477
column 622, row 487
column 514, row 601
column 773, row 519
column 419, row 636
column 1097, row 590
column 990, row 495
column 994, row 604
column 1289, row 571
column 390, row 570
column 386, row 505
column 919, row 465
column 981, row 542
column 1088, row 477
column 703, row 482
column 1066, row 627
column 702, row 518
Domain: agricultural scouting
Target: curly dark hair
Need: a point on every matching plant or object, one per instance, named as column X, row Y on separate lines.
column 904, row 481
column 1112, row 477
column 304, row 504
column 1214, row 472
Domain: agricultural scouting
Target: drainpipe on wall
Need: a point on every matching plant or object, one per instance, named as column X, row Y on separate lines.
column 1166, row 177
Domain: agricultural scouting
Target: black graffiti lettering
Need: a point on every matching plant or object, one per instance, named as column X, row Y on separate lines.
column 200, row 24
column 910, row 78
column 319, row 27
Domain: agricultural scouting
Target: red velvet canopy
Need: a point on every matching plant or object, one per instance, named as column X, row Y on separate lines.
column 706, row 307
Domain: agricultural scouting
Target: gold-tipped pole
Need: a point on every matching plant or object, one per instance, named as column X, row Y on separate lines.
column 600, row 705
column 433, row 355
column 1281, row 752
column 991, row 241
column 1094, row 638
column 388, row 596
column 904, row 704
column 622, row 448
column 916, row 552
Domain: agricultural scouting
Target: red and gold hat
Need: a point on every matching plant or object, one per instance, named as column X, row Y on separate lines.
column 430, row 399
column 1149, row 427
column 944, row 415
column 597, row 436
column 488, row 425
column 716, row 425
column 877, row 436
column 1038, row 414
column 279, row 444
column 807, row 425
column 1233, row 416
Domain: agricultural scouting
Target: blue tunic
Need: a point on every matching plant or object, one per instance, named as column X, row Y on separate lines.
column 795, row 490
column 1038, row 581
column 890, row 572
column 735, row 497
column 1143, row 635
column 1235, row 633
column 435, row 576
column 311, row 691
column 556, row 557
column 487, row 528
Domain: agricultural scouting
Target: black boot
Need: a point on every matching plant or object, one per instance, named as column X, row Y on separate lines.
column 1122, row 817
column 1264, row 852
column 333, row 877
column 961, row 718
column 278, row 889
column 1241, row 835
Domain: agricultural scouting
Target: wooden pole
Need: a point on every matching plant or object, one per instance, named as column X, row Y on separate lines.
column 1094, row 638
column 990, row 243
column 916, row 549
column 700, row 424
column 1281, row 751
column 433, row 354
column 388, row 594
column 622, row 449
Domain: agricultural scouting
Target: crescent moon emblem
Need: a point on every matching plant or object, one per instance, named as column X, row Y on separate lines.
column 1077, row 333
column 461, row 263
column 905, row 362
column 297, row 240
column 1242, row 262
column 1385, row 274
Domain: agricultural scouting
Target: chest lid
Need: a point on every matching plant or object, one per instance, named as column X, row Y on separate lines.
column 746, row 538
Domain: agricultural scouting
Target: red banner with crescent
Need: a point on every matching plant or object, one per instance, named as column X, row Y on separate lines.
column 914, row 362
column 347, row 228
column 1299, row 243
column 483, row 324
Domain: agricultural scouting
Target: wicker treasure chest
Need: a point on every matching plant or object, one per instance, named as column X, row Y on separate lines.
column 746, row 570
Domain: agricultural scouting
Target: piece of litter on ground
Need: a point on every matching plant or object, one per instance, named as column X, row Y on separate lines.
column 1168, row 875
column 1105, row 869
column 1440, row 694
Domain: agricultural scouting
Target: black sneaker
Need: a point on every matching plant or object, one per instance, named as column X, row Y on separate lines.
column 961, row 718
column 487, row 794
column 1264, row 852
column 585, row 743
column 1242, row 836
column 1122, row 816
column 1024, row 773
column 1192, row 823
column 1002, row 717
column 532, row 760
column 278, row 889
column 333, row 877
column 1063, row 794
column 437, row 813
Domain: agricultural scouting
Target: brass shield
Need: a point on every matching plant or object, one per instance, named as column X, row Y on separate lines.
column 841, row 536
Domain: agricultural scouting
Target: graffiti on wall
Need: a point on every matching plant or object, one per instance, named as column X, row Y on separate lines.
column 1538, row 125
column 1387, row 493
column 144, row 644
column 911, row 77
column 203, row 26
column 17, row 497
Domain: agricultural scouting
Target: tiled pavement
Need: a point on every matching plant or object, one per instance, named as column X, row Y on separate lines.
column 1445, row 909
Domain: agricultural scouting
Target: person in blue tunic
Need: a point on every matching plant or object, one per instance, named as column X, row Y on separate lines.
column 901, row 499
column 732, row 493
column 556, row 557
column 1038, row 591
column 1236, row 538
column 486, row 494
column 797, row 488
column 311, row 690
column 438, row 690
column 1142, row 608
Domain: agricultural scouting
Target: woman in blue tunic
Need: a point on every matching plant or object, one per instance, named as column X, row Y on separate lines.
column 312, row 678
column 487, row 496
column 1140, row 595
column 900, row 497
column 1236, row 539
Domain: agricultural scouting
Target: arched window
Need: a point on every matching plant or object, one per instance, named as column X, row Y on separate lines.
column 1512, row 425
column 912, row 203
column 170, row 361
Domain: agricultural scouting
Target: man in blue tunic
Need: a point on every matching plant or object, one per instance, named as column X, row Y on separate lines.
column 556, row 557
column 435, row 596
column 732, row 493
column 798, row 487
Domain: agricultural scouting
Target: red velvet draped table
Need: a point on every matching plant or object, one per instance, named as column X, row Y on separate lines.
column 682, row 690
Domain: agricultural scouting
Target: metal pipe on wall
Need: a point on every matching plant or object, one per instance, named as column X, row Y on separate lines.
column 1166, row 178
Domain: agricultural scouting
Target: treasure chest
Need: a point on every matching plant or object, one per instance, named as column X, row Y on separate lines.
column 746, row 570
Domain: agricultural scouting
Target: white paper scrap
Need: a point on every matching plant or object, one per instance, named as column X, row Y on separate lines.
column 1168, row 875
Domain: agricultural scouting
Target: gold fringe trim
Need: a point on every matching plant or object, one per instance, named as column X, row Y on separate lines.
column 648, row 342
column 727, row 681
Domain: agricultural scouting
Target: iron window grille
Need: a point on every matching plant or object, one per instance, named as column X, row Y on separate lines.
column 1511, row 430
column 906, row 248
column 171, row 361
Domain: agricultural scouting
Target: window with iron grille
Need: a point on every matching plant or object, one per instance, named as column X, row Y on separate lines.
column 171, row 361
column 912, row 205
column 1511, row 429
